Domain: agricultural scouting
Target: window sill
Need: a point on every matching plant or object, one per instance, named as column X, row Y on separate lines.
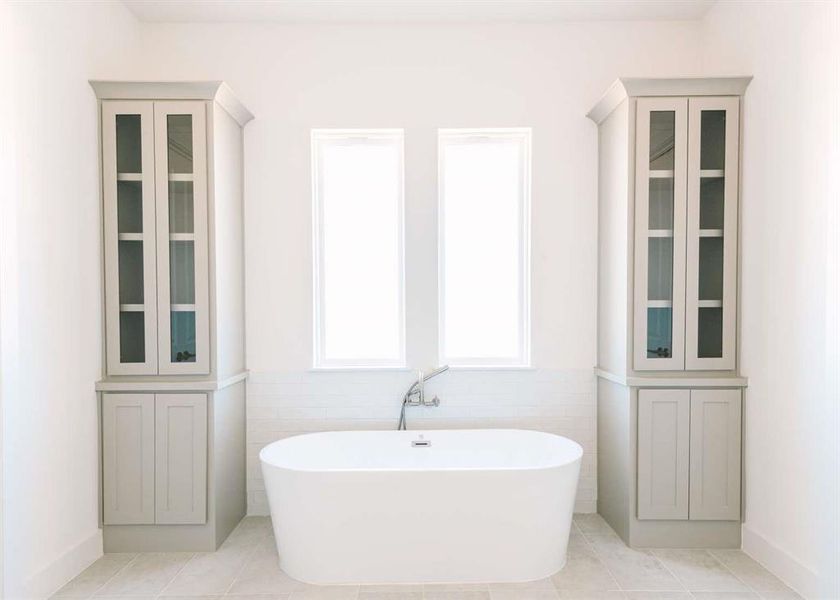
column 358, row 369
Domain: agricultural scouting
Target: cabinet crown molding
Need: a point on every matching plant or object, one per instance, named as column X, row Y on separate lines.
column 174, row 90
column 625, row 87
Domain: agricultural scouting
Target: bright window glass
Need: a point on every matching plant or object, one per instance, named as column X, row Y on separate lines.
column 358, row 233
column 484, row 180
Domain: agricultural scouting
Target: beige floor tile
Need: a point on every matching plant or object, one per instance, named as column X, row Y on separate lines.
column 210, row 573
column 659, row 596
column 86, row 583
column 699, row 571
column 433, row 594
column 584, row 571
column 326, row 592
column 751, row 572
column 591, row 595
column 636, row 570
column 148, row 574
column 435, row 588
column 724, row 595
column 592, row 523
column 394, row 594
column 399, row 588
column 536, row 584
column 524, row 593
column 257, row 596
column 787, row 595
column 262, row 574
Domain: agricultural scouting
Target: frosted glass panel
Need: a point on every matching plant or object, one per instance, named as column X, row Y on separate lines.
column 710, row 333
column 130, row 207
column 129, row 155
column 132, row 337
column 181, row 215
column 711, row 202
column 713, row 139
column 182, row 272
column 131, row 272
column 183, row 336
column 711, row 268
column 661, row 203
column 662, row 140
column 179, row 143
column 659, row 338
column 660, row 268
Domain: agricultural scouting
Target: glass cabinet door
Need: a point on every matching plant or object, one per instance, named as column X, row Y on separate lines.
column 181, row 175
column 660, row 233
column 129, row 214
column 712, row 229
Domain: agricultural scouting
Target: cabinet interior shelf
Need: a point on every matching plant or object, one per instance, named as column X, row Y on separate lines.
column 129, row 176
column 130, row 237
column 710, row 304
column 660, row 304
column 181, row 237
column 711, row 233
column 711, row 173
column 131, row 307
column 661, row 233
column 662, row 174
column 180, row 177
column 182, row 307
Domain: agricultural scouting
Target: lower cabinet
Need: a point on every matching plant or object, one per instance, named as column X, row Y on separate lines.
column 689, row 454
column 154, row 460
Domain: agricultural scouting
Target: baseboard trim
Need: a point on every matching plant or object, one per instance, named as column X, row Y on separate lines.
column 780, row 563
column 75, row 560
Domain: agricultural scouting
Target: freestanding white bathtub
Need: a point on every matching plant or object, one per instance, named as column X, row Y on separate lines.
column 473, row 506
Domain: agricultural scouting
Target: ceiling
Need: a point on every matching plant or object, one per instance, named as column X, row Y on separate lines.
column 329, row 11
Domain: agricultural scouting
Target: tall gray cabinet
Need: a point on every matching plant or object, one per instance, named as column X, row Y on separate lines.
column 669, row 390
column 172, row 395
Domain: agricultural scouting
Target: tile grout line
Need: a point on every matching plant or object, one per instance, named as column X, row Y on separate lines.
column 671, row 573
column 735, row 575
column 178, row 572
column 111, row 578
column 251, row 554
column 598, row 556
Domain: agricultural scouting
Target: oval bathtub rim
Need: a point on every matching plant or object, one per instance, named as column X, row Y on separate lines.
column 542, row 467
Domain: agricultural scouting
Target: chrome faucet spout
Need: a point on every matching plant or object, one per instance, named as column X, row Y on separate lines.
column 415, row 396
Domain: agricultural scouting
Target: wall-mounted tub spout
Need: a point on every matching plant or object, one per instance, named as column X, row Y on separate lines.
column 416, row 395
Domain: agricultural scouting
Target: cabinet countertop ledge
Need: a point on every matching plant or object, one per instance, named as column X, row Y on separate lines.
column 673, row 381
column 168, row 384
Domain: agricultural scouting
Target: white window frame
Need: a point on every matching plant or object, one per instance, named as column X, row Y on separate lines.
column 523, row 135
column 367, row 136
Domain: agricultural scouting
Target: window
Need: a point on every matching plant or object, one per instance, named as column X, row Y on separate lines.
column 484, row 246
column 357, row 184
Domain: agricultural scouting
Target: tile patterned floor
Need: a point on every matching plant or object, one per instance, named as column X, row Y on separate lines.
column 599, row 567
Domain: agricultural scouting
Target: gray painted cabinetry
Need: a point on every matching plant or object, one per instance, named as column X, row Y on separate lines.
column 669, row 392
column 172, row 396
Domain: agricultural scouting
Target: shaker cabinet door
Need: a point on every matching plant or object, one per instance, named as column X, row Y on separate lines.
column 715, row 480
column 128, row 192
column 128, row 458
column 711, row 255
column 663, row 443
column 180, row 458
column 659, row 298
column 182, row 257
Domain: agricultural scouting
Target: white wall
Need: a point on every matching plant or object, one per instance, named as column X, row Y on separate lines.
column 789, row 299
column 420, row 78
column 50, row 333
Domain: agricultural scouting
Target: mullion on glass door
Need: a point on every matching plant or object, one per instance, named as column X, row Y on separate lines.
column 129, row 220
column 659, row 298
column 712, row 233
column 181, row 184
